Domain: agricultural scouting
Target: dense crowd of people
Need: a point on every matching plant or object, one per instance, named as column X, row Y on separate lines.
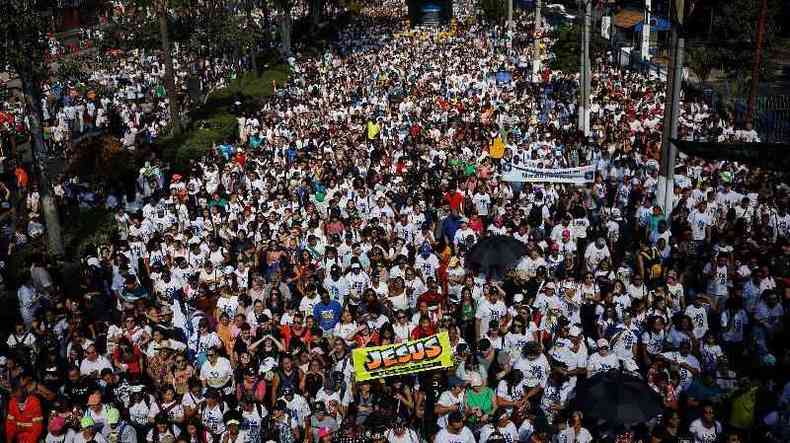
column 226, row 307
column 122, row 94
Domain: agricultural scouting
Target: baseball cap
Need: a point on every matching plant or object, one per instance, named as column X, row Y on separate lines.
column 454, row 381
column 57, row 424
column 87, row 422
column 113, row 416
column 475, row 379
column 602, row 343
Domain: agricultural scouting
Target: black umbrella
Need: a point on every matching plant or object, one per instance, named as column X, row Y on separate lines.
column 495, row 255
column 617, row 398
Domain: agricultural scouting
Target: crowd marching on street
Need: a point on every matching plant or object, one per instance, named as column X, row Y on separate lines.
column 227, row 306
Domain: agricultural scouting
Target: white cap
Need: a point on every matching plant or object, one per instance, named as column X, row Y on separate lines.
column 475, row 379
column 602, row 343
column 575, row 331
column 518, row 298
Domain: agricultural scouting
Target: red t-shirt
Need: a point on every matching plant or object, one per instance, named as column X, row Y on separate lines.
column 431, row 298
column 455, row 199
column 420, row 332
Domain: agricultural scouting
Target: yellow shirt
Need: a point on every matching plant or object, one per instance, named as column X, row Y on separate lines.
column 497, row 148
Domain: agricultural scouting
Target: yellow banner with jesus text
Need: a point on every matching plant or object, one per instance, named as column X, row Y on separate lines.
column 428, row 353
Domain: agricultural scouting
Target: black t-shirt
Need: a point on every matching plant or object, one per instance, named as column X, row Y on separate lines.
column 77, row 392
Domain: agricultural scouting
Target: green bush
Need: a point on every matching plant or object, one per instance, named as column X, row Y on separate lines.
column 568, row 48
column 93, row 227
column 213, row 122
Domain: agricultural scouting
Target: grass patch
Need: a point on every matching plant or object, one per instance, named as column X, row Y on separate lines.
column 213, row 123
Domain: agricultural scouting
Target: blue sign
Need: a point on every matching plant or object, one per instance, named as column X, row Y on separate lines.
column 431, row 8
column 656, row 24
column 504, row 77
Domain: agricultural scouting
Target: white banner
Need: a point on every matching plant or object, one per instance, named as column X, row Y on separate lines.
column 646, row 33
column 525, row 173
column 606, row 26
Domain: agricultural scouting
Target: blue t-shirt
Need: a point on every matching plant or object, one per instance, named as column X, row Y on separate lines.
column 327, row 314
column 450, row 225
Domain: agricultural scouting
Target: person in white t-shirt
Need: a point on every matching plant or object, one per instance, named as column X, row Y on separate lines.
column 337, row 285
column 400, row 433
column 500, row 424
column 688, row 365
column 482, row 202
column 450, row 401
column 93, row 363
column 603, row 360
column 455, row 432
column 217, row 372
column 706, row 429
column 490, row 308
column 426, row 263
column 697, row 311
column 700, row 223
column 596, row 253
column 574, row 432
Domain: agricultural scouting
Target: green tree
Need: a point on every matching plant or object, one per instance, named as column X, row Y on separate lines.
column 286, row 24
column 23, row 29
column 315, row 8
column 567, row 48
column 135, row 29
column 735, row 24
column 494, row 10
column 700, row 62
column 162, row 12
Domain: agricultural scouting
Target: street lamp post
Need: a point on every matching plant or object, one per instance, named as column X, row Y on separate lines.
column 666, row 179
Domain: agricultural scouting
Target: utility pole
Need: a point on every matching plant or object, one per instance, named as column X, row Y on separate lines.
column 666, row 179
column 758, row 56
column 588, row 66
column 585, row 73
column 510, row 13
column 536, row 55
column 646, row 32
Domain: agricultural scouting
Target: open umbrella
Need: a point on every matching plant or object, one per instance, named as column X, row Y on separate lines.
column 617, row 398
column 495, row 255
